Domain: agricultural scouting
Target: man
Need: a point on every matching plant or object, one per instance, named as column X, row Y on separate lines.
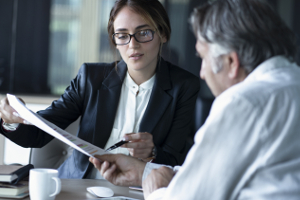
column 248, row 147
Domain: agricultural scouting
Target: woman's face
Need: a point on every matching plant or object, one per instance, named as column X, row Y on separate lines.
column 139, row 57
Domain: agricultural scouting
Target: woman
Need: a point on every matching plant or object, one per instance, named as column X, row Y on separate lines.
column 143, row 99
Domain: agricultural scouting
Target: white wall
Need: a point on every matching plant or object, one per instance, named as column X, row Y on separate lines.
column 12, row 153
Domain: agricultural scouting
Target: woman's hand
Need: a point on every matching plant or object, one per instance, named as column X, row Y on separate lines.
column 8, row 114
column 140, row 145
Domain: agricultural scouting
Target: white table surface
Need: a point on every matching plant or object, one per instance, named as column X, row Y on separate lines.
column 76, row 189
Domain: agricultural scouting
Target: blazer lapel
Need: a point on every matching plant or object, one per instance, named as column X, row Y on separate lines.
column 159, row 99
column 108, row 99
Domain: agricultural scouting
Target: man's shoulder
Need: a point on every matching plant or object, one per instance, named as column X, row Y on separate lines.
column 249, row 92
column 261, row 92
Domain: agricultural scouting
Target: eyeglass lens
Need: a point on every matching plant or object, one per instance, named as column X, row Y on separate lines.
column 140, row 36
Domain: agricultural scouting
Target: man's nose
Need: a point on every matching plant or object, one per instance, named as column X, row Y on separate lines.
column 202, row 73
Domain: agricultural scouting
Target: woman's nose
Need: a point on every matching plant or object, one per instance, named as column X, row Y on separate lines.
column 133, row 43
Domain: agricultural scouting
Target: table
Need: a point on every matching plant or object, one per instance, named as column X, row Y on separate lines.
column 76, row 189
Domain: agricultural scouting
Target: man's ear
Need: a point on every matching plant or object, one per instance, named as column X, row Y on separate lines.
column 234, row 65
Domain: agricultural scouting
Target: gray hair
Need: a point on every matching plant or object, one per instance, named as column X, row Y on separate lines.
column 251, row 28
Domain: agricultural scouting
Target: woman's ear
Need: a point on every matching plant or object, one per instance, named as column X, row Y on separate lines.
column 163, row 39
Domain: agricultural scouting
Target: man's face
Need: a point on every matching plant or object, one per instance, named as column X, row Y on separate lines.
column 217, row 82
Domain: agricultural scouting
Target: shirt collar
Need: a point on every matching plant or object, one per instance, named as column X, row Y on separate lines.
column 146, row 85
column 271, row 64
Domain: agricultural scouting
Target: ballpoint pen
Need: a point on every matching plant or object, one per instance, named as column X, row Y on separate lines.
column 118, row 144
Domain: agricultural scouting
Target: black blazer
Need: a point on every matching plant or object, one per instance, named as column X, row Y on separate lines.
column 94, row 95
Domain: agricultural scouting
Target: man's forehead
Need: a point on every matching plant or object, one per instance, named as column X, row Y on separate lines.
column 202, row 42
column 214, row 48
column 200, row 38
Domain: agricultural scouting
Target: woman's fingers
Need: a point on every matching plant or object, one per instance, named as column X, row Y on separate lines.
column 8, row 114
column 140, row 153
column 138, row 136
column 140, row 144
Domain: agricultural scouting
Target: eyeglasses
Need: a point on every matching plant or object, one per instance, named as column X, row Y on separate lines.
column 141, row 36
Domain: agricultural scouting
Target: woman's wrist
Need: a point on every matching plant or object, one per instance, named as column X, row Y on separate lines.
column 152, row 156
column 154, row 152
column 10, row 127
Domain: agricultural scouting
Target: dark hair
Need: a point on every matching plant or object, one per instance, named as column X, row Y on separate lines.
column 249, row 27
column 152, row 10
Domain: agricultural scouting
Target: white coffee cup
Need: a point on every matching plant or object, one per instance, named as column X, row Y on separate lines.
column 43, row 184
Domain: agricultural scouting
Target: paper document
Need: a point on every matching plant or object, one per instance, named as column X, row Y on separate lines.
column 73, row 141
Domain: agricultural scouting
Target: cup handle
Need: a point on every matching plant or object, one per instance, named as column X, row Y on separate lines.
column 58, row 186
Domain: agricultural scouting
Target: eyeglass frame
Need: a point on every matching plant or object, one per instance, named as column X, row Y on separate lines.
column 133, row 35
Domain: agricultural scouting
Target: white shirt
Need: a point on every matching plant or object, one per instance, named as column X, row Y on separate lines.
column 249, row 146
column 132, row 105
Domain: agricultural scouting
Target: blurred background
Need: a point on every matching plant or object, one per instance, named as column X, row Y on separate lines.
column 44, row 42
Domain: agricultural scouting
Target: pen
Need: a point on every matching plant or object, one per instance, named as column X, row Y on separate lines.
column 118, row 144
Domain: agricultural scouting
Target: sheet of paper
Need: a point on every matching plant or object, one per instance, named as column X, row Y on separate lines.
column 50, row 128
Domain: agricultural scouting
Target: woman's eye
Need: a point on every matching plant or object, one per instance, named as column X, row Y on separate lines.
column 122, row 36
column 144, row 33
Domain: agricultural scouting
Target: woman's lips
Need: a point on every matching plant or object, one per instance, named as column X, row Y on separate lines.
column 136, row 56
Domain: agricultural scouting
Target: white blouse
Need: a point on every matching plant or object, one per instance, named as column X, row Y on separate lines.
column 132, row 105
